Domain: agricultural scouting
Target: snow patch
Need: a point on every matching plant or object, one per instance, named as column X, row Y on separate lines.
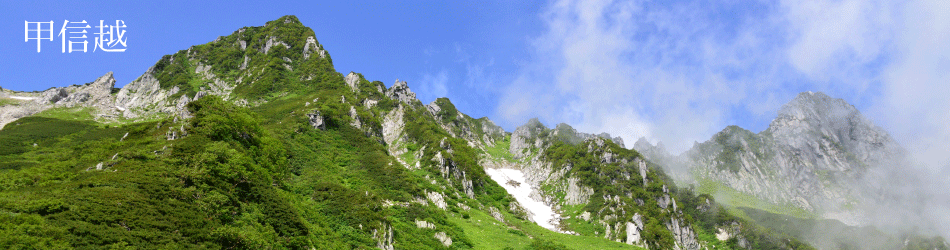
column 722, row 235
column 514, row 182
column 25, row 98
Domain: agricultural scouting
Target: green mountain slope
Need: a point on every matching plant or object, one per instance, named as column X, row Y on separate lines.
column 253, row 141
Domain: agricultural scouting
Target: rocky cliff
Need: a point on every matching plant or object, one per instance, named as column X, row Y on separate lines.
column 592, row 180
column 364, row 165
column 809, row 157
column 96, row 95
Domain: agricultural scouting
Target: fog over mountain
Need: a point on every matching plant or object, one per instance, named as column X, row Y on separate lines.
column 821, row 155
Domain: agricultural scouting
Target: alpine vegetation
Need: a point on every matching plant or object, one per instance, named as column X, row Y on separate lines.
column 254, row 141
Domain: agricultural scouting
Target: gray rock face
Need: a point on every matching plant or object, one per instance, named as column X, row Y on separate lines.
column 634, row 229
column 145, row 96
column 217, row 87
column 451, row 172
column 424, row 224
column 312, row 47
column 316, row 120
column 495, row 213
column 445, row 239
column 400, row 91
column 271, row 42
column 525, row 136
column 479, row 133
column 535, row 134
column 566, row 132
column 654, row 153
column 808, row 157
column 353, row 80
column 683, row 236
column 143, row 93
column 437, row 200
column 576, row 193
column 619, row 223
column 96, row 95
column 815, row 117
column 384, row 237
column 491, row 129
column 355, row 119
column 433, row 108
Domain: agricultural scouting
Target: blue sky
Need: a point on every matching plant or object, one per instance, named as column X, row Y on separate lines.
column 671, row 71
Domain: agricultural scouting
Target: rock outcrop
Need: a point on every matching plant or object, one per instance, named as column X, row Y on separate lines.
column 353, row 81
column 444, row 238
column 809, row 156
column 437, row 200
column 400, row 92
column 634, row 230
column 533, row 133
column 96, row 95
column 144, row 96
column 683, row 236
column 316, row 120
column 384, row 237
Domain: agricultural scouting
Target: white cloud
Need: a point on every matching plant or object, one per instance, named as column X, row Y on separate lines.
column 679, row 72
column 894, row 53
column 433, row 86
column 915, row 103
column 833, row 35
column 682, row 71
column 639, row 69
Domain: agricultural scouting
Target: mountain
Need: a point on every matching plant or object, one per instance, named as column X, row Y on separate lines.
column 254, row 141
column 96, row 95
column 818, row 164
column 808, row 157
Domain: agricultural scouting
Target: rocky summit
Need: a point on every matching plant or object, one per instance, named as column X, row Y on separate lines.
column 255, row 141
column 809, row 157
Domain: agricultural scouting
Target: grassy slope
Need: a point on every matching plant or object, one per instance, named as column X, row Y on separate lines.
column 337, row 160
column 515, row 232
column 9, row 101
column 249, row 178
column 735, row 199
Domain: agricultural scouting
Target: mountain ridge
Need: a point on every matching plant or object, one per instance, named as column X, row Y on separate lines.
column 808, row 156
column 253, row 140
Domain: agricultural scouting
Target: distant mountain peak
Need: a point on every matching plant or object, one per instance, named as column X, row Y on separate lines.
column 815, row 143
column 813, row 114
column 816, row 108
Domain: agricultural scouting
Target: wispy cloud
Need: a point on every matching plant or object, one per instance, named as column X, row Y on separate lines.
column 679, row 71
column 892, row 54
column 432, row 86
column 669, row 72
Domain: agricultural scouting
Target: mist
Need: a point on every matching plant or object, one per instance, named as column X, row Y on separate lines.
column 679, row 72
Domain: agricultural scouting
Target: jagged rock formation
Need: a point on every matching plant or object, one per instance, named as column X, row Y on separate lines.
column 656, row 153
column 384, row 237
column 96, row 95
column 534, row 134
column 562, row 185
column 445, row 239
column 400, row 91
column 434, row 150
column 809, row 156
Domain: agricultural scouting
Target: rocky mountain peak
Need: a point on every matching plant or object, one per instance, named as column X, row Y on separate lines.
column 814, row 116
column 814, row 109
column 400, row 91
column 535, row 133
column 642, row 144
column 815, row 145
column 353, row 81
column 104, row 83
column 96, row 94
column 653, row 152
